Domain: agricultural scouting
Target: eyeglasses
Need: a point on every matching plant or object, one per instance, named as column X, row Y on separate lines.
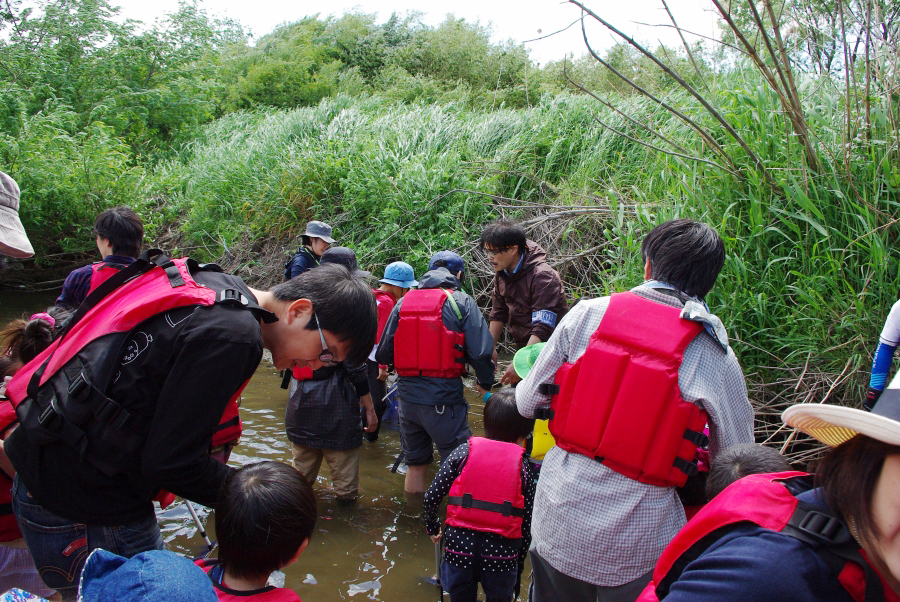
column 326, row 357
column 495, row 252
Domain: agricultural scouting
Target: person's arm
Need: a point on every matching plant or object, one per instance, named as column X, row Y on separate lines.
column 205, row 375
column 499, row 308
column 554, row 354
column 479, row 342
column 359, row 378
column 546, row 294
column 440, row 487
column 734, row 418
column 529, row 484
column 75, row 288
column 300, row 264
column 881, row 366
column 384, row 354
column 496, row 328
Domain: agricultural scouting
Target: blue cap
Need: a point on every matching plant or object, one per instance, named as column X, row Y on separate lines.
column 454, row 261
column 399, row 274
column 149, row 576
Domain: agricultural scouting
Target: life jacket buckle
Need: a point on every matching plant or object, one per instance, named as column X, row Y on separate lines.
column 233, row 297
column 543, row 414
column 79, row 387
column 507, row 508
column 824, row 527
column 49, row 419
column 696, row 437
column 549, row 389
column 466, row 500
column 108, row 411
column 688, row 468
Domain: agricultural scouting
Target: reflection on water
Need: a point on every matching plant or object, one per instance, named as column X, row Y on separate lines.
column 375, row 549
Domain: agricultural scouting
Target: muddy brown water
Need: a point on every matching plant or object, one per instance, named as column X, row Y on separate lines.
column 375, row 549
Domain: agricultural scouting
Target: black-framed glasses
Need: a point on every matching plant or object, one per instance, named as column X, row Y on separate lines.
column 326, row 357
column 495, row 252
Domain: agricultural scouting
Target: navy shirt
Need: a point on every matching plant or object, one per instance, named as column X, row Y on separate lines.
column 78, row 282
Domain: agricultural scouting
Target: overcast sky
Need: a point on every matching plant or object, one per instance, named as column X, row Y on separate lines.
column 517, row 20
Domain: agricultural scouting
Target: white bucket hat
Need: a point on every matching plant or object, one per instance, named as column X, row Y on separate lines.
column 833, row 425
column 13, row 241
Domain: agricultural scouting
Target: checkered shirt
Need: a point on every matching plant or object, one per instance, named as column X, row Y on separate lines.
column 592, row 523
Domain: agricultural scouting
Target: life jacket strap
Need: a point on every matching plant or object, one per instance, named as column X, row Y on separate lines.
column 467, row 501
column 543, row 414
column 698, row 438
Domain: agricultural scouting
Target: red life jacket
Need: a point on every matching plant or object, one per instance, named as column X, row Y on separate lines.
column 769, row 500
column 101, row 271
column 385, row 302
column 269, row 593
column 423, row 345
column 60, row 394
column 487, row 495
column 9, row 528
column 620, row 403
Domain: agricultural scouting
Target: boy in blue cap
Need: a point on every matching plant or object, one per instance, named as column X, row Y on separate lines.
column 429, row 337
column 398, row 279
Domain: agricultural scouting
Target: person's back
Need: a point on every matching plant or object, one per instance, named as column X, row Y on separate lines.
column 453, row 333
column 490, row 487
column 119, row 234
column 682, row 373
column 265, row 516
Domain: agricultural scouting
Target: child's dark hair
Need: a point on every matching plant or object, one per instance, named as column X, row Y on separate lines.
column 739, row 461
column 22, row 340
column 123, row 228
column 502, row 420
column 264, row 513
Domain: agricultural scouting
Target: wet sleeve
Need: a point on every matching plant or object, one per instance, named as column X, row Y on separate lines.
column 440, row 487
column 384, row 353
column 206, row 374
column 546, row 296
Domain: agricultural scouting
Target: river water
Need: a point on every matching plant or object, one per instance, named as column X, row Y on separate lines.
column 375, row 549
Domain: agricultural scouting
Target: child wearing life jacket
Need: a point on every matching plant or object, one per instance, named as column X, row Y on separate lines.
column 20, row 341
column 265, row 516
column 491, row 487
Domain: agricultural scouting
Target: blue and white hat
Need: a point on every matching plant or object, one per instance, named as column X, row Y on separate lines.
column 400, row 274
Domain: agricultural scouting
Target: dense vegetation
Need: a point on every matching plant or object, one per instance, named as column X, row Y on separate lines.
column 408, row 138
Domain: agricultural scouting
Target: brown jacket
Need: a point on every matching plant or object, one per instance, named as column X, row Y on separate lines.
column 532, row 301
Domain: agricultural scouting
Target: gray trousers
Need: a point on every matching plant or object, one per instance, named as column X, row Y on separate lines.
column 549, row 585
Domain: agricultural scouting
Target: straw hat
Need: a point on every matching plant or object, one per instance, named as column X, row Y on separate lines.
column 832, row 425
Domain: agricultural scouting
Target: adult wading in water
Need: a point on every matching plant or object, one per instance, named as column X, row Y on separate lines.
column 181, row 367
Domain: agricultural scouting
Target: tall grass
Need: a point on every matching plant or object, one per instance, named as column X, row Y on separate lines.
column 810, row 272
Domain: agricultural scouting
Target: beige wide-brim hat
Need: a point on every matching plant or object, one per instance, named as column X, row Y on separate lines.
column 833, row 425
column 13, row 240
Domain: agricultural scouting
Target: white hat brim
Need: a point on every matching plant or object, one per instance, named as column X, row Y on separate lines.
column 13, row 240
column 833, row 425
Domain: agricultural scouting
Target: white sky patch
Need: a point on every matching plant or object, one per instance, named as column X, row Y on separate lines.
column 519, row 21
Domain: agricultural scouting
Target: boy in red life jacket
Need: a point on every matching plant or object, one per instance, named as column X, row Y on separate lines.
column 398, row 279
column 265, row 516
column 119, row 233
column 491, row 486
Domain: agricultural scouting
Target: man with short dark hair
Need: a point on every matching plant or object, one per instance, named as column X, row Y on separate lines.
column 630, row 381
column 528, row 294
column 431, row 334
column 119, row 233
column 173, row 378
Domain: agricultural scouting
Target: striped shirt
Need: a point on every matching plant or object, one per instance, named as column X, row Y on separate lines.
column 592, row 523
